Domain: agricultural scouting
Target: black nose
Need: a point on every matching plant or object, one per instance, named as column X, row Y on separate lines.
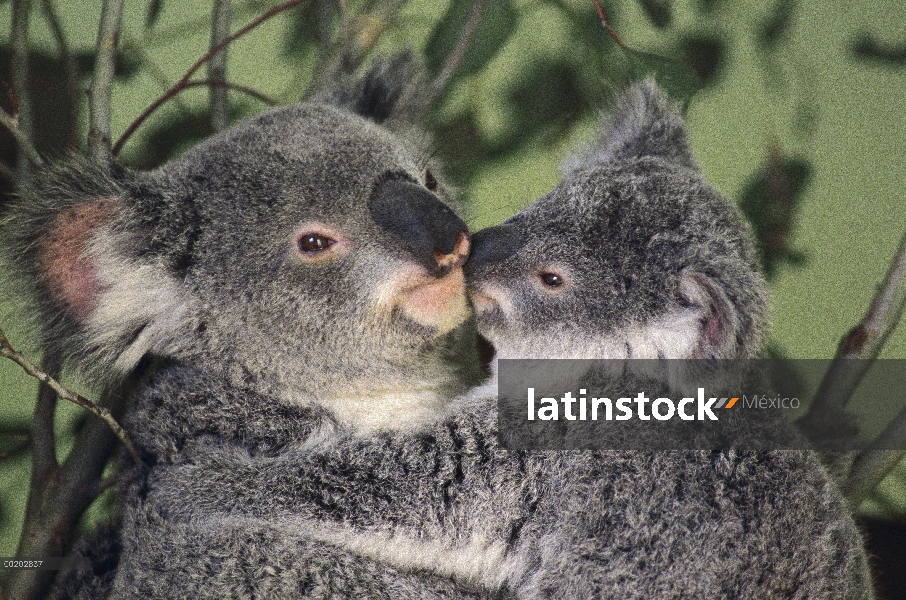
column 424, row 225
column 493, row 245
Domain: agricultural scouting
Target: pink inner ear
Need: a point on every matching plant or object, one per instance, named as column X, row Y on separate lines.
column 71, row 278
column 717, row 322
column 713, row 335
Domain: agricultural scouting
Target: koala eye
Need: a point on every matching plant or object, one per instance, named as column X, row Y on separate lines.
column 314, row 242
column 430, row 180
column 553, row 280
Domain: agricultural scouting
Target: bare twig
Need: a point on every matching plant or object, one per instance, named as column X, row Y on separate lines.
column 7, row 351
column 102, row 83
column 44, row 452
column 19, row 67
column 220, row 29
column 201, row 61
column 606, row 25
column 153, row 70
column 25, row 146
column 48, row 529
column 70, row 67
column 864, row 341
column 264, row 98
column 876, row 462
column 445, row 76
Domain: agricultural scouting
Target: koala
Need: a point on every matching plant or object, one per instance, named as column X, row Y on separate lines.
column 632, row 254
column 302, row 271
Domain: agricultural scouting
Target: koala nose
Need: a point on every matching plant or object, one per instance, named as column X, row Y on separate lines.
column 425, row 226
column 494, row 244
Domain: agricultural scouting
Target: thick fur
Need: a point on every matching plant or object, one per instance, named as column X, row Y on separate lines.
column 200, row 265
column 450, row 502
column 257, row 485
column 445, row 501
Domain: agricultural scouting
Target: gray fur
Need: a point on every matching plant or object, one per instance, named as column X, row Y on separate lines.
column 255, row 487
column 447, row 501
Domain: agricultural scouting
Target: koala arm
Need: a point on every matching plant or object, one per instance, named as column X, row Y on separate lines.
column 244, row 557
column 449, row 501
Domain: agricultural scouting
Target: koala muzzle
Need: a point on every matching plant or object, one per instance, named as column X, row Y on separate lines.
column 425, row 226
column 493, row 245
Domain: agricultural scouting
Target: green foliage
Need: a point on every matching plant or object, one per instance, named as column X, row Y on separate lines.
column 498, row 22
column 771, row 200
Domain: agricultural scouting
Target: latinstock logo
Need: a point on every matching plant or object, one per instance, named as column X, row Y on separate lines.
column 582, row 408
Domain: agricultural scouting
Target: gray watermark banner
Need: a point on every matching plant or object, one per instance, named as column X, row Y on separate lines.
column 704, row 404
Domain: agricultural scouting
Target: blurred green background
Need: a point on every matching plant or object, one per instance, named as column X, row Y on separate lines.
column 802, row 118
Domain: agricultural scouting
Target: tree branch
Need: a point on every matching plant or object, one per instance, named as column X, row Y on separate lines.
column 263, row 98
column 864, row 341
column 19, row 68
column 25, row 146
column 445, row 76
column 220, row 29
column 71, row 68
column 876, row 462
column 49, row 528
column 178, row 87
column 7, row 351
column 102, row 83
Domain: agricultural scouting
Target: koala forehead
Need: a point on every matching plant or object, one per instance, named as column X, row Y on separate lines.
column 306, row 155
column 614, row 217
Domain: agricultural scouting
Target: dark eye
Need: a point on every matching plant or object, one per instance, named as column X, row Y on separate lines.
column 313, row 242
column 430, row 181
column 551, row 279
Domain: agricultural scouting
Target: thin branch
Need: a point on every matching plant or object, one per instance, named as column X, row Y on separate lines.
column 201, row 61
column 261, row 97
column 445, row 76
column 157, row 74
column 25, row 146
column 876, row 462
column 102, row 83
column 864, row 341
column 70, row 66
column 48, row 530
column 606, row 25
column 44, row 453
column 220, row 29
column 7, row 351
column 19, row 68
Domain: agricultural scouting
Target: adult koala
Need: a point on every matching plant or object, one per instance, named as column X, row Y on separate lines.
column 443, row 501
column 291, row 277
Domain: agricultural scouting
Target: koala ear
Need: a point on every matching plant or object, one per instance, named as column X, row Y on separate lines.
column 68, row 274
column 719, row 326
column 377, row 94
column 77, row 248
column 643, row 123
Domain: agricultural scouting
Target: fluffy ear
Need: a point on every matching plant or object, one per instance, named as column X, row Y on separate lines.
column 643, row 123
column 378, row 93
column 722, row 329
column 67, row 273
column 76, row 247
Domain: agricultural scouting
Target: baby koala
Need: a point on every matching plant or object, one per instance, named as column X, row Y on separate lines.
column 631, row 255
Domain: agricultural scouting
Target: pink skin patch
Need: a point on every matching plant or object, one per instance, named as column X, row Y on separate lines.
column 71, row 278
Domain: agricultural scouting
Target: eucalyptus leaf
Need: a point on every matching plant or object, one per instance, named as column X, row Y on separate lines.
column 153, row 14
column 497, row 25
